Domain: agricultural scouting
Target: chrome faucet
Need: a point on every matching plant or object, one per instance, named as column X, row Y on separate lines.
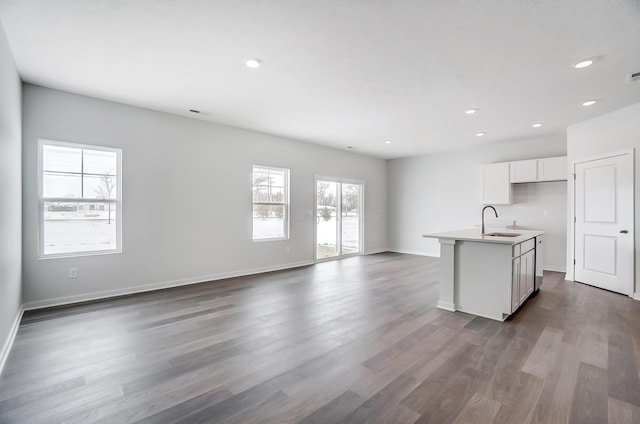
column 483, row 209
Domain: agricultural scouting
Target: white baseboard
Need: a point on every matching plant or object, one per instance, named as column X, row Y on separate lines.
column 375, row 252
column 68, row 300
column 448, row 306
column 636, row 296
column 415, row 252
column 156, row 286
column 554, row 268
column 10, row 339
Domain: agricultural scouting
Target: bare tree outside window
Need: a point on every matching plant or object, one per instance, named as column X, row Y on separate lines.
column 261, row 194
column 351, row 199
column 270, row 202
column 106, row 188
column 78, row 184
column 327, row 200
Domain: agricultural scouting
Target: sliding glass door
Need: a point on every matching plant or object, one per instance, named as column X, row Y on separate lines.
column 338, row 217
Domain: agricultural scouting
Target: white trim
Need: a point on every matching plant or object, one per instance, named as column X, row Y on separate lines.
column 571, row 198
column 361, row 224
column 156, row 286
column 594, row 158
column 447, row 306
column 636, row 296
column 286, row 204
column 41, row 199
column 8, row 344
column 415, row 252
column 262, row 240
column 554, row 269
column 376, row 251
column 338, row 179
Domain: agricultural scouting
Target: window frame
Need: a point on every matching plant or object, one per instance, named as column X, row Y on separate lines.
column 285, row 203
column 41, row 199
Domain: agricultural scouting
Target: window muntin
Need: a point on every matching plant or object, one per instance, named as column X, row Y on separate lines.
column 270, row 203
column 79, row 199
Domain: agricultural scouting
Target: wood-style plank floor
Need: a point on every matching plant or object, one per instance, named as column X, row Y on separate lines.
column 351, row 341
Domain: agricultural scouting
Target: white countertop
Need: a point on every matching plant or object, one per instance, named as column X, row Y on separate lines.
column 474, row 234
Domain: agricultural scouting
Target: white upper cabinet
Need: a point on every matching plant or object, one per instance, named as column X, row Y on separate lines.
column 523, row 171
column 537, row 170
column 496, row 185
column 552, row 169
column 497, row 178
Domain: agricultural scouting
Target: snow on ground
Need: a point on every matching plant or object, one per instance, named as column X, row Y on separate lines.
column 82, row 235
column 79, row 236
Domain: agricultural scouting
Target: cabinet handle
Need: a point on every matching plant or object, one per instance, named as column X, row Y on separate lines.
column 623, row 231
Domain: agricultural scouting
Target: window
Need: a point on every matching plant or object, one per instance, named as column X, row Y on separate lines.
column 79, row 199
column 270, row 203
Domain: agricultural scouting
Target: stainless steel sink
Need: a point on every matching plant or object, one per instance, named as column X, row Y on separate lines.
column 502, row 234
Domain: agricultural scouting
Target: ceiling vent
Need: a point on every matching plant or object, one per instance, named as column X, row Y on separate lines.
column 633, row 77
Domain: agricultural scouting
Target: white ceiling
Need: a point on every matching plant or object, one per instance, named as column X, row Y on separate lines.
column 341, row 73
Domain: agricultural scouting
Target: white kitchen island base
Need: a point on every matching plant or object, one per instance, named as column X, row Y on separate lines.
column 485, row 275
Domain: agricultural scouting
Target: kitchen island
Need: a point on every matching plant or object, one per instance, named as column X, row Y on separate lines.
column 489, row 275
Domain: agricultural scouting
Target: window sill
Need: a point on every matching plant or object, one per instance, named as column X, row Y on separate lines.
column 260, row 240
column 79, row 254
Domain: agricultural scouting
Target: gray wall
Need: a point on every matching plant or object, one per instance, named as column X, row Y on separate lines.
column 10, row 194
column 186, row 197
column 610, row 133
column 442, row 192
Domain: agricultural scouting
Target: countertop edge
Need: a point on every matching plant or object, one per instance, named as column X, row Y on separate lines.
column 474, row 236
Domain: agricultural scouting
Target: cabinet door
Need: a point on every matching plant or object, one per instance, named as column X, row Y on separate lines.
column 523, row 171
column 515, row 285
column 528, row 271
column 552, row 169
column 522, row 279
column 527, row 274
column 496, row 187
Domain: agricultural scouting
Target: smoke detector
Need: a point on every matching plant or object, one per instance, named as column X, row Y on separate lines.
column 633, row 77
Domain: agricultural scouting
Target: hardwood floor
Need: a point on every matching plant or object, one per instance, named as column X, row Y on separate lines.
column 351, row 341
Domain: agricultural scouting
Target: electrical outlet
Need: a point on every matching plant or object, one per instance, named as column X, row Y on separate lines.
column 287, row 249
column 545, row 213
column 73, row 272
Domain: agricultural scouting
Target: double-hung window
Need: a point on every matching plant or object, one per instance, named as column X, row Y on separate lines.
column 80, row 208
column 270, row 203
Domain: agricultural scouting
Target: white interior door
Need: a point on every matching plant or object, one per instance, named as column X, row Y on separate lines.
column 604, row 236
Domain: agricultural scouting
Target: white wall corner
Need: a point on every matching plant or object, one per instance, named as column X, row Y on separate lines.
column 448, row 306
column 376, row 251
column 636, row 295
column 6, row 349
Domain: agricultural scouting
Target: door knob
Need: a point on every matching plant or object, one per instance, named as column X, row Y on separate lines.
column 623, row 231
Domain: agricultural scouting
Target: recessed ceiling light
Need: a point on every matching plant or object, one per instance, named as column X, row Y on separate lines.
column 253, row 62
column 481, row 134
column 388, row 142
column 537, row 125
column 471, row 111
column 589, row 103
column 583, row 64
